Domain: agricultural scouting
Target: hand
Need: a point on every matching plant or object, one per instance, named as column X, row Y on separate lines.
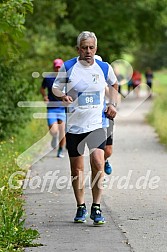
column 110, row 111
column 45, row 98
column 67, row 99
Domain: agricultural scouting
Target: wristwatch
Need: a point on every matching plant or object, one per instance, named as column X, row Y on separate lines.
column 113, row 103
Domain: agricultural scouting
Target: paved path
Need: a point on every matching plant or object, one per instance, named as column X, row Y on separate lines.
column 135, row 212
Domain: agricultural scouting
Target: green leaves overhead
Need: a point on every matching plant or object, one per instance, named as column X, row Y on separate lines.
column 12, row 19
column 120, row 25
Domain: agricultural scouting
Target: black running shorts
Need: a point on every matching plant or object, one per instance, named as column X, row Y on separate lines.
column 75, row 143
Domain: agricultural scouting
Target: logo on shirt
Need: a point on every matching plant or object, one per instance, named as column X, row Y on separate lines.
column 95, row 78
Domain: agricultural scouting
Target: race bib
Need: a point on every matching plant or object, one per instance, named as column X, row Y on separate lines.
column 88, row 99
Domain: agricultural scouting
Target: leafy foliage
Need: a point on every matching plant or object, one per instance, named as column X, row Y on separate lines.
column 43, row 34
column 13, row 89
column 158, row 116
column 12, row 18
column 13, row 234
column 156, row 58
column 121, row 26
column 13, row 85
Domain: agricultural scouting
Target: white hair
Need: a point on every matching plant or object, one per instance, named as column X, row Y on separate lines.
column 85, row 35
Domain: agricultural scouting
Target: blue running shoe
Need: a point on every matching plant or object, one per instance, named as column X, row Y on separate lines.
column 81, row 214
column 60, row 153
column 107, row 168
column 96, row 216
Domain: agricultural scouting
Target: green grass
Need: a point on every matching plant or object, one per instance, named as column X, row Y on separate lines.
column 158, row 115
column 14, row 236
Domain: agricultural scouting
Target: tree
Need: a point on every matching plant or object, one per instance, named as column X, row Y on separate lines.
column 13, row 86
column 43, row 27
column 12, row 19
column 120, row 25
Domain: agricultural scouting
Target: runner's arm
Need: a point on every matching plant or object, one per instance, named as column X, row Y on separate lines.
column 59, row 85
column 43, row 93
column 111, row 93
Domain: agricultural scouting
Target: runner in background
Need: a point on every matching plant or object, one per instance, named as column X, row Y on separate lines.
column 136, row 79
column 149, row 79
column 55, row 115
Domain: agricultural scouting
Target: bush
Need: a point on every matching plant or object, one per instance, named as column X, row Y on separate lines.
column 13, row 89
column 158, row 116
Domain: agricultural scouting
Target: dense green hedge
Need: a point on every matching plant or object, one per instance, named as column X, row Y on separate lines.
column 12, row 90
